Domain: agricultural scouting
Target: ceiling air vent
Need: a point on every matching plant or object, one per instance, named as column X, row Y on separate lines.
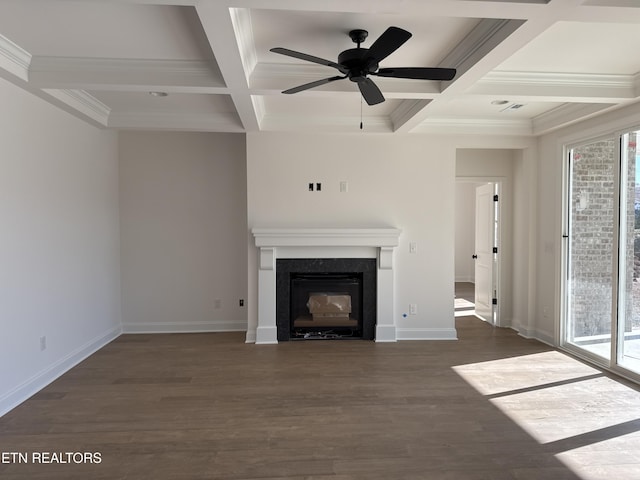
column 513, row 106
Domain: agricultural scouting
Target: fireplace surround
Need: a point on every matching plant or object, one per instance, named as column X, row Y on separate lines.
column 325, row 298
column 324, row 243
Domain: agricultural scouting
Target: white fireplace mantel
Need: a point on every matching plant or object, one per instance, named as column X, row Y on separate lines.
column 330, row 237
column 277, row 243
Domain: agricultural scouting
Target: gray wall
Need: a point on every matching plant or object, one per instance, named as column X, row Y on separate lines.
column 59, row 242
column 183, row 230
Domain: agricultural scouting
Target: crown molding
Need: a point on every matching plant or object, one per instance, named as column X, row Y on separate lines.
column 311, row 123
column 291, row 70
column 474, row 126
column 565, row 115
column 14, row 58
column 65, row 72
column 559, row 87
column 83, row 103
column 565, row 79
column 197, row 122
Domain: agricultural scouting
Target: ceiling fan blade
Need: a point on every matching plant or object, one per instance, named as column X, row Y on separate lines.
column 418, row 73
column 309, row 58
column 309, row 85
column 388, row 42
column 370, row 91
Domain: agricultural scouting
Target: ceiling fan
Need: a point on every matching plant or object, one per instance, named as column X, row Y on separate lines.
column 357, row 64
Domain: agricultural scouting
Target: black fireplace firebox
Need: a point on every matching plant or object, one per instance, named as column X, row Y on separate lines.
column 326, row 298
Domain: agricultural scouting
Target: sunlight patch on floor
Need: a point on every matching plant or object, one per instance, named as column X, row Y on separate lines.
column 552, row 414
column 588, row 421
column 523, row 371
column 564, row 399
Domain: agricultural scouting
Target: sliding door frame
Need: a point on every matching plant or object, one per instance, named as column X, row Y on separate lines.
column 618, row 254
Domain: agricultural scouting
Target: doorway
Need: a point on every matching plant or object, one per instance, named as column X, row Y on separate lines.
column 477, row 249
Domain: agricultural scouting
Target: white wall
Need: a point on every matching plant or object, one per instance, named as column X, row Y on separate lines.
column 59, row 242
column 183, row 225
column 402, row 181
column 465, row 224
column 549, row 204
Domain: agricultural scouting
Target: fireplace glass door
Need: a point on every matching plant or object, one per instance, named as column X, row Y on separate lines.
column 326, row 305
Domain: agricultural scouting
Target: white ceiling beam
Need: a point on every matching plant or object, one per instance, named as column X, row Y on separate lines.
column 407, row 110
column 474, row 57
column 436, row 8
column 481, row 65
column 229, row 45
column 624, row 11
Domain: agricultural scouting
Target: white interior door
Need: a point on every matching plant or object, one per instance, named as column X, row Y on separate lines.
column 484, row 256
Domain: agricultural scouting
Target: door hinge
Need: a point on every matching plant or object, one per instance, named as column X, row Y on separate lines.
column 495, row 198
column 494, row 301
column 495, row 249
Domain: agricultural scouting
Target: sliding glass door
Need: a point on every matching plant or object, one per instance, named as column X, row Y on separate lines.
column 628, row 321
column 591, row 246
column 602, row 318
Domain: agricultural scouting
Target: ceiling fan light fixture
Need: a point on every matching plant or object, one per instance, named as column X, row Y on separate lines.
column 158, row 94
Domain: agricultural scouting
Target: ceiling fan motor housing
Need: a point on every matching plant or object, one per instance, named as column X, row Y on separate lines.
column 358, row 62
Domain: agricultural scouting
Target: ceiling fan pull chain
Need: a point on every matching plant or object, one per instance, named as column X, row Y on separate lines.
column 360, row 112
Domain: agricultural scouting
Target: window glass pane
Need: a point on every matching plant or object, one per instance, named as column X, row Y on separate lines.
column 591, row 237
column 629, row 318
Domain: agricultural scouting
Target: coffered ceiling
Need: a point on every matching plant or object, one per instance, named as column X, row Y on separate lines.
column 524, row 67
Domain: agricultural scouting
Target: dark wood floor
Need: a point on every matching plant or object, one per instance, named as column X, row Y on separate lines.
column 491, row 405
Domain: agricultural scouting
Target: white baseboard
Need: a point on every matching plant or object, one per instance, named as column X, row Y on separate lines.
column 266, row 335
column 184, row 327
column 536, row 335
column 465, row 279
column 251, row 336
column 427, row 334
column 386, row 333
column 40, row 380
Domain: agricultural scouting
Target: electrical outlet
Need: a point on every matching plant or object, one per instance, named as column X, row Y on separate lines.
column 310, row 187
column 344, row 187
column 43, row 343
column 241, row 302
column 318, row 187
column 413, row 247
column 217, row 304
column 413, row 309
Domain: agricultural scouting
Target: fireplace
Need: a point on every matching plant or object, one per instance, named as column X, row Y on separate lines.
column 326, row 298
column 332, row 249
